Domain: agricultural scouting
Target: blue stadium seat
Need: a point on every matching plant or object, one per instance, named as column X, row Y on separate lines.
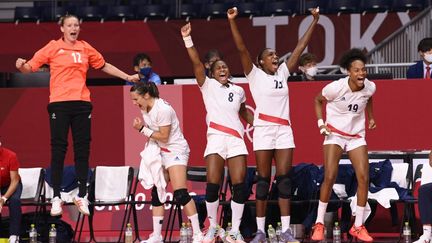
column 152, row 11
column 342, row 6
column 91, row 12
column 248, row 8
column 403, row 5
column 375, row 6
column 280, row 7
column 27, row 14
column 120, row 13
column 190, row 10
column 310, row 4
column 74, row 3
column 215, row 10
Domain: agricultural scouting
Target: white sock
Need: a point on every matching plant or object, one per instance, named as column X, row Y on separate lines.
column 285, row 222
column 359, row 216
column 322, row 208
column 212, row 208
column 261, row 223
column 195, row 223
column 427, row 231
column 157, row 225
column 236, row 216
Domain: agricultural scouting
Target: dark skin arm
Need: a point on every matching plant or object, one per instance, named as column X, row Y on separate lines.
column 198, row 66
column 246, row 114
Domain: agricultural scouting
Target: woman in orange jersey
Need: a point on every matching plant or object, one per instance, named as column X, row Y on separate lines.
column 69, row 105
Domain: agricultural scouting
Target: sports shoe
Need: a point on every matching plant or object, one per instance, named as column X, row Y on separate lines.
column 197, row 237
column 13, row 239
column 234, row 237
column 423, row 239
column 318, row 232
column 287, row 237
column 82, row 204
column 56, row 206
column 260, row 237
column 211, row 235
column 153, row 239
column 361, row 233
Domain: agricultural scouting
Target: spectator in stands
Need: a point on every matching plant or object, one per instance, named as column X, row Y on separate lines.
column 308, row 66
column 422, row 69
column 425, row 202
column 225, row 103
column 211, row 57
column 163, row 130
column 344, row 130
column 273, row 137
column 142, row 64
column 69, row 105
column 11, row 189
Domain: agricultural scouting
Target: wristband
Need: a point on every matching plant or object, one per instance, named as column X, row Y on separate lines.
column 4, row 198
column 320, row 122
column 188, row 41
column 146, row 131
column 324, row 131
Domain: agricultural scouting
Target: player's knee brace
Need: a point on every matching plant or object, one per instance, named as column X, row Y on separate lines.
column 283, row 183
column 262, row 188
column 212, row 192
column 240, row 193
column 182, row 196
column 155, row 202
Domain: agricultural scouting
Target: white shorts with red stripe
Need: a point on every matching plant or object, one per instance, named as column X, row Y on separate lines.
column 273, row 137
column 346, row 143
column 171, row 158
column 226, row 146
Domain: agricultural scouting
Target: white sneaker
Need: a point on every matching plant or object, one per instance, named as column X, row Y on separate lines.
column 13, row 239
column 423, row 239
column 82, row 203
column 153, row 239
column 56, row 206
column 198, row 237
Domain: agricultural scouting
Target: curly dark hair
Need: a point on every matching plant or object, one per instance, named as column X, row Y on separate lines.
column 350, row 56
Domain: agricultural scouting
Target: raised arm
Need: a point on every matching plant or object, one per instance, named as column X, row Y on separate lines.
column 319, row 101
column 369, row 110
column 303, row 42
column 198, row 66
column 238, row 40
column 114, row 71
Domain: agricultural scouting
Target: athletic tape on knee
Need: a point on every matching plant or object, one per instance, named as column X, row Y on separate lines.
column 182, row 196
column 212, row 192
column 262, row 188
column 240, row 193
column 155, row 198
column 284, row 186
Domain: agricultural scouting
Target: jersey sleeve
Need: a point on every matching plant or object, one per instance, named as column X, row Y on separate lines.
column 330, row 91
column 155, row 79
column 206, row 84
column 164, row 116
column 42, row 56
column 243, row 96
column 283, row 69
column 13, row 162
column 251, row 77
column 95, row 59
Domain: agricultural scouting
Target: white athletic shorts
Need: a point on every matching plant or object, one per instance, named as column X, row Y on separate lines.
column 347, row 144
column 172, row 158
column 273, row 137
column 224, row 145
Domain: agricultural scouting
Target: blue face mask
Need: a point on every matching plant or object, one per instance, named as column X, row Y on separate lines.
column 146, row 72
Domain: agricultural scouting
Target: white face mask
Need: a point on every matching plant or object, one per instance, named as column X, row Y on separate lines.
column 428, row 57
column 312, row 71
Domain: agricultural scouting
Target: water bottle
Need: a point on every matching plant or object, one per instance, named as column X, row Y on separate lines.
column 271, row 234
column 32, row 234
column 228, row 228
column 189, row 233
column 128, row 234
column 337, row 233
column 278, row 231
column 183, row 233
column 406, row 233
column 221, row 233
column 52, row 236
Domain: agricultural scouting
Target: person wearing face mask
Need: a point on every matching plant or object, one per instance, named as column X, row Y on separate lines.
column 143, row 65
column 422, row 68
column 224, row 102
column 346, row 101
column 10, row 191
column 69, row 103
column 308, row 65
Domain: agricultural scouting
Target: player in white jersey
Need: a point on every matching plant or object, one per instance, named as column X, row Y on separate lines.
column 224, row 102
column 425, row 202
column 273, row 138
column 162, row 125
column 347, row 100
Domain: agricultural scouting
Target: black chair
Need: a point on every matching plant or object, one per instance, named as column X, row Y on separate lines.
column 26, row 14
column 310, row 4
column 280, row 7
column 342, row 6
column 215, row 10
column 55, row 13
column 91, row 13
column 75, row 3
column 249, row 9
column 190, row 10
column 120, row 13
column 404, row 5
column 374, row 6
column 152, row 11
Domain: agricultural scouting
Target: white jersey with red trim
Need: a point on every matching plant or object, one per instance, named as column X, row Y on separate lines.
column 270, row 93
column 162, row 114
column 345, row 109
column 222, row 103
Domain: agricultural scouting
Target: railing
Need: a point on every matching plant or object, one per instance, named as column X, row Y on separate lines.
column 393, row 68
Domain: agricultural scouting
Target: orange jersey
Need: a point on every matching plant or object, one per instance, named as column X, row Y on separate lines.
column 68, row 68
